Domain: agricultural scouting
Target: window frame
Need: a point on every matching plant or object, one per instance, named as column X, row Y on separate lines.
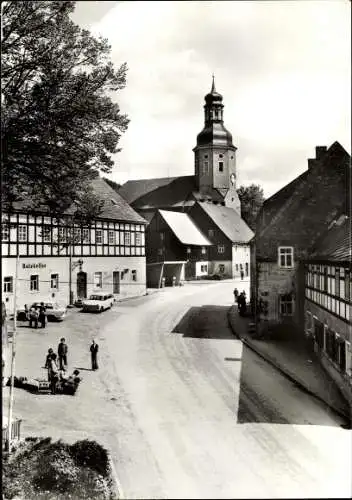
column 98, row 283
column 221, row 249
column 111, row 237
column 127, row 238
column 5, row 230
column 8, row 283
column 54, row 279
column 281, row 253
column 134, row 274
column 34, row 283
column 284, row 302
column 99, row 236
column 22, row 233
column 138, row 239
column 221, row 166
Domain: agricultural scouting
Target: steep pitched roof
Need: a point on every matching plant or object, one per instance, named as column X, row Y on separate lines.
column 115, row 207
column 134, row 189
column 335, row 244
column 228, row 221
column 309, row 205
column 184, row 228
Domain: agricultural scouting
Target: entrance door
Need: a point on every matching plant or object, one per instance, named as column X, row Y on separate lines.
column 82, row 285
column 116, row 282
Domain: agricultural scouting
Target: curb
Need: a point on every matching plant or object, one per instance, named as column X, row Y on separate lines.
column 288, row 375
column 115, row 479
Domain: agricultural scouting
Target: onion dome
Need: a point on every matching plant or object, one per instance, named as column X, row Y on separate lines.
column 213, row 96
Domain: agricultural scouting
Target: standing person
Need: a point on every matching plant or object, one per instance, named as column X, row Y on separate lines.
column 62, row 353
column 48, row 362
column 54, row 374
column 26, row 312
column 42, row 314
column 235, row 292
column 94, row 354
column 242, row 274
column 33, row 317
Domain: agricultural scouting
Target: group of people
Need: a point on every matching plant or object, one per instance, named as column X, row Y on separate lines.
column 56, row 365
column 241, row 300
column 36, row 315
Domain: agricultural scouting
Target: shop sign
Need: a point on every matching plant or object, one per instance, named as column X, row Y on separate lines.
column 38, row 265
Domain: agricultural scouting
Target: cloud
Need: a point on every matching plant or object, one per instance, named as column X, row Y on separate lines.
column 282, row 67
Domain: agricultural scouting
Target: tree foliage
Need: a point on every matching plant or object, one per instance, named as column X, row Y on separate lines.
column 252, row 199
column 59, row 123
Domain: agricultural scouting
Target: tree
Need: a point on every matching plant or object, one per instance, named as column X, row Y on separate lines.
column 252, row 199
column 59, row 123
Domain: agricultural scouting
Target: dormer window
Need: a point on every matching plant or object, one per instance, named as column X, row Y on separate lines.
column 285, row 257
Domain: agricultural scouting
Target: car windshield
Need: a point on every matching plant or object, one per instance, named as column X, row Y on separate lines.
column 96, row 297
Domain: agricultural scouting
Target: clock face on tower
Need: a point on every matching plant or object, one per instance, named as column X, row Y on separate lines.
column 232, row 179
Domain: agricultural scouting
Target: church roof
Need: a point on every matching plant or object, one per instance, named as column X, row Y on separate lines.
column 134, row 189
column 184, row 228
column 228, row 221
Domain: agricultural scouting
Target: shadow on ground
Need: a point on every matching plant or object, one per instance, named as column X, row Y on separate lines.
column 264, row 394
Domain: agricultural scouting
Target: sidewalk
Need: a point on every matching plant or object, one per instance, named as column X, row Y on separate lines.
column 295, row 361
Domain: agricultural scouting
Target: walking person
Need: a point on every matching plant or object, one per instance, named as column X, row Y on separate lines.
column 54, row 374
column 242, row 274
column 26, row 312
column 235, row 293
column 42, row 314
column 62, row 353
column 94, row 354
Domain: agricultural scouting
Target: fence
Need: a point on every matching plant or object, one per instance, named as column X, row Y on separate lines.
column 15, row 432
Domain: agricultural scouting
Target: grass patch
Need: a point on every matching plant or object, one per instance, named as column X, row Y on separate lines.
column 38, row 469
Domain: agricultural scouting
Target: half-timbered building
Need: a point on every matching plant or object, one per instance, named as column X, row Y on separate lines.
column 61, row 260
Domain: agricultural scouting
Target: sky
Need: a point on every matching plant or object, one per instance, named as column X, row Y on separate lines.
column 283, row 68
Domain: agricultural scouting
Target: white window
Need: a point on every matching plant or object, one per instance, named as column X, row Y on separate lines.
column 77, row 235
column 111, row 237
column 210, row 233
column 189, row 250
column 134, row 275
column 127, row 238
column 22, row 233
column 286, row 305
column 54, row 281
column 85, row 234
column 34, row 282
column 98, row 280
column 204, row 268
column 46, row 233
column 286, row 257
column 98, row 236
column 62, row 234
column 8, row 284
column 221, row 248
column 5, row 232
column 138, row 239
column 203, row 250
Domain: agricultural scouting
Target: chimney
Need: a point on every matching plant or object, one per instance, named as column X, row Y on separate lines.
column 320, row 152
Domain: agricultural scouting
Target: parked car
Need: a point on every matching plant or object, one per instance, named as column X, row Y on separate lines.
column 54, row 311
column 98, row 302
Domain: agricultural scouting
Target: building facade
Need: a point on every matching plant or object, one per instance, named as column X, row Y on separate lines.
column 287, row 227
column 61, row 261
column 328, row 302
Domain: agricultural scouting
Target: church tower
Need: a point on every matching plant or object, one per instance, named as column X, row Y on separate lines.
column 215, row 155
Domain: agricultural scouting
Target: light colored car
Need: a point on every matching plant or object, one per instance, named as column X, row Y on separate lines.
column 98, row 302
column 54, row 311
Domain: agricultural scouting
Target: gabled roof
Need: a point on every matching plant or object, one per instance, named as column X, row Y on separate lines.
column 305, row 207
column 184, row 228
column 228, row 221
column 335, row 244
column 115, row 207
column 134, row 189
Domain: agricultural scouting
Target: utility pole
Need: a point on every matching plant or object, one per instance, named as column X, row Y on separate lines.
column 9, row 423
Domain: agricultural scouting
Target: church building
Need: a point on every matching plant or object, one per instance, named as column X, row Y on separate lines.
column 210, row 200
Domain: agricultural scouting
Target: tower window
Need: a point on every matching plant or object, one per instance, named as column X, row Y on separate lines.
column 205, row 156
column 220, row 156
column 231, row 157
column 205, row 167
column 221, row 166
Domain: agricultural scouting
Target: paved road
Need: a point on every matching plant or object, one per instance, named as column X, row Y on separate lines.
column 188, row 412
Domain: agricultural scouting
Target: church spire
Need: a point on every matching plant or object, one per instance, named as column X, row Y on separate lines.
column 213, row 85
